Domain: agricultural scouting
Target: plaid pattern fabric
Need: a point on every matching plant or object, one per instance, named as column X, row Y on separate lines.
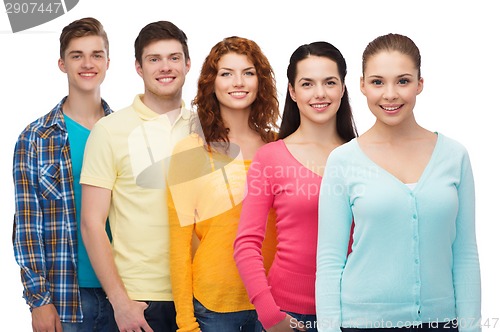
column 45, row 229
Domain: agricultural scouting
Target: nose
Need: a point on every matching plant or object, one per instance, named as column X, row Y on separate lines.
column 165, row 65
column 237, row 80
column 319, row 92
column 390, row 92
column 87, row 62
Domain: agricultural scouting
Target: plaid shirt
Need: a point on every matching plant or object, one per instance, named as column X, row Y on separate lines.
column 45, row 229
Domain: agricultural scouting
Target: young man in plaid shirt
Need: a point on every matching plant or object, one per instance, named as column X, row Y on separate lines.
column 60, row 285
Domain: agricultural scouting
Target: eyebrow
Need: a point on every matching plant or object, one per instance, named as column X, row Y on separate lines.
column 81, row 52
column 325, row 79
column 231, row 69
column 159, row 55
column 399, row 76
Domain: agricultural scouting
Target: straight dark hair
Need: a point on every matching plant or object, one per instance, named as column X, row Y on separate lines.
column 345, row 125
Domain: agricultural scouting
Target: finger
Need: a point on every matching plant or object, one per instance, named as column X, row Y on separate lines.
column 147, row 328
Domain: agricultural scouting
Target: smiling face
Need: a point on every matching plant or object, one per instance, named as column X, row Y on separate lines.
column 391, row 85
column 85, row 62
column 317, row 90
column 236, row 83
column 164, row 68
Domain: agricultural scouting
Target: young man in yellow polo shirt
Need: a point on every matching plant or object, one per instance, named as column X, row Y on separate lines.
column 124, row 176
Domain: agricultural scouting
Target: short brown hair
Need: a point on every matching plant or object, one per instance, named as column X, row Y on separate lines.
column 161, row 30
column 88, row 26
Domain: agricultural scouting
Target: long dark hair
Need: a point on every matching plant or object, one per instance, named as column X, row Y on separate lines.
column 291, row 115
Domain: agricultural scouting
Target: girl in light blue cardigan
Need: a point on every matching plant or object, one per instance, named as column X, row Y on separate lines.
column 410, row 192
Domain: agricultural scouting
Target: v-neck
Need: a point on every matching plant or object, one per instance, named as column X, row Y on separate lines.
column 296, row 160
column 395, row 178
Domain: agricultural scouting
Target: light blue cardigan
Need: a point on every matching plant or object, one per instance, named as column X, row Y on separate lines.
column 414, row 256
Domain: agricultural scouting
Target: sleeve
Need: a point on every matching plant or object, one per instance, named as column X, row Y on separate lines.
column 99, row 168
column 249, row 240
column 182, row 227
column 334, row 234
column 27, row 235
column 466, row 273
column 181, row 270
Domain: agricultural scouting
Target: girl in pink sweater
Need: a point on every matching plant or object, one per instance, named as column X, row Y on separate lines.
column 286, row 175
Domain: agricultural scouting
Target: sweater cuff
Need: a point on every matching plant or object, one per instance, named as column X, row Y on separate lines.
column 269, row 313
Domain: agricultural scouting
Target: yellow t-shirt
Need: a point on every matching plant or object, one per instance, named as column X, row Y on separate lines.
column 128, row 153
column 205, row 195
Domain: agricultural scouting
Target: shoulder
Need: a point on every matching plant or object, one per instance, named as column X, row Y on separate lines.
column 346, row 151
column 192, row 141
column 116, row 118
column 42, row 125
column 450, row 145
column 271, row 150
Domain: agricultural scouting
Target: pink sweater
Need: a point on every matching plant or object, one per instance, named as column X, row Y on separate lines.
column 276, row 179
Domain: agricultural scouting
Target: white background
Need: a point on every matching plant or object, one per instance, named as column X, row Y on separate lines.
column 458, row 40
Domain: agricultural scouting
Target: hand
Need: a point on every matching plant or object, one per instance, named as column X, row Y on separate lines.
column 287, row 325
column 45, row 319
column 129, row 317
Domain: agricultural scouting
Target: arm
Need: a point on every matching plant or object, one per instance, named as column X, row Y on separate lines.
column 28, row 241
column 334, row 229
column 181, row 270
column 466, row 275
column 248, row 244
column 129, row 314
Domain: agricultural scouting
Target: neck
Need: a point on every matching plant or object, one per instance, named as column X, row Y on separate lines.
column 162, row 104
column 407, row 130
column 85, row 109
column 324, row 134
column 237, row 122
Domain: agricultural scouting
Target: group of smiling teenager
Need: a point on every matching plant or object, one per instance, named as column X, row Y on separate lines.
column 217, row 219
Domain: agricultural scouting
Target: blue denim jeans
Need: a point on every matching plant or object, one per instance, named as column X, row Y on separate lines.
column 98, row 315
column 210, row 321
column 309, row 321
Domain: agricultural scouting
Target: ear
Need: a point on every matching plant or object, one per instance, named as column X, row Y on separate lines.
column 107, row 64
column 138, row 68
column 62, row 67
column 188, row 65
column 292, row 92
column 420, row 86
column 362, row 85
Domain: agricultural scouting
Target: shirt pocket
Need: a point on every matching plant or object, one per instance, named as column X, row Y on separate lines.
column 50, row 181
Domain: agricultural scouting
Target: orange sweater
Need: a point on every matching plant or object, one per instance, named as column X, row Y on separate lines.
column 205, row 195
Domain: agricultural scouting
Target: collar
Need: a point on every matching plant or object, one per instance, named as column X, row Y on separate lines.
column 56, row 117
column 148, row 114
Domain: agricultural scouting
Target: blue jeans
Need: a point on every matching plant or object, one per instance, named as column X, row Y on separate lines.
column 98, row 313
column 210, row 321
column 309, row 321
